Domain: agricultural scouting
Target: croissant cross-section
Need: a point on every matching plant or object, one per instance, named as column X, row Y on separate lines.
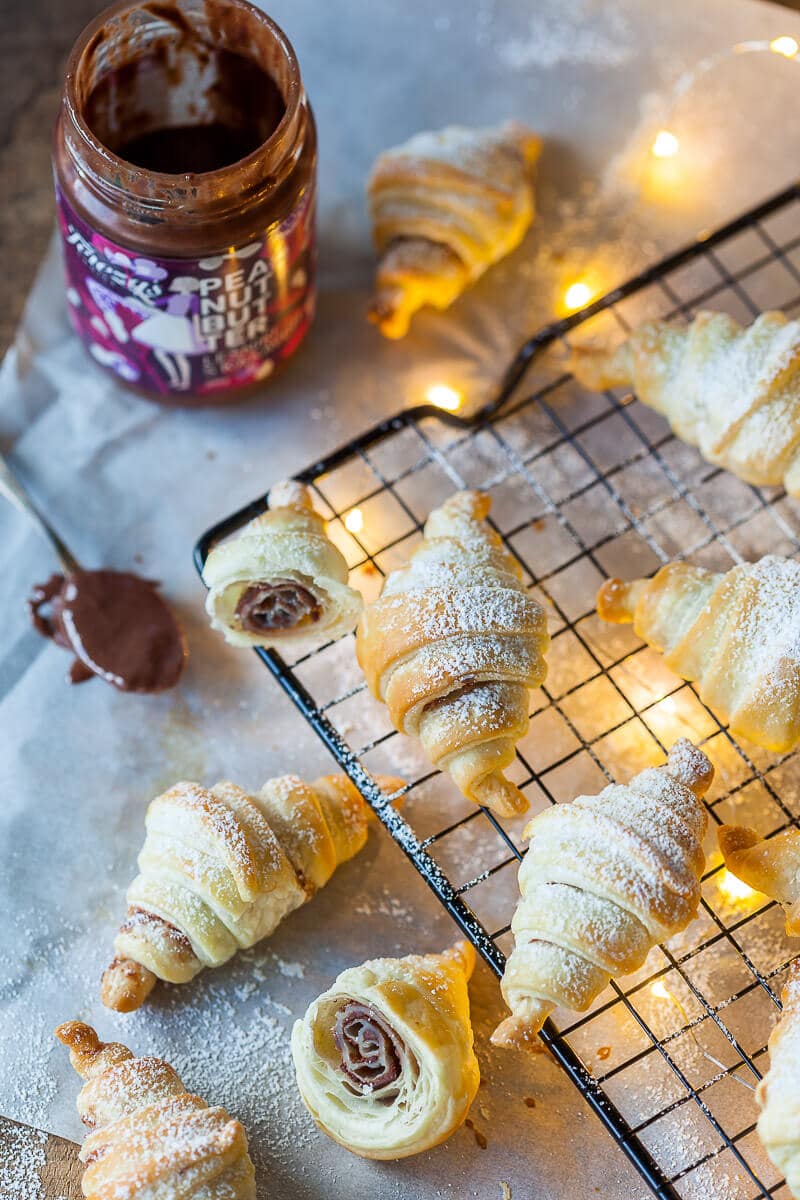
column 605, row 879
column 281, row 579
column 151, row 1139
column 384, row 1058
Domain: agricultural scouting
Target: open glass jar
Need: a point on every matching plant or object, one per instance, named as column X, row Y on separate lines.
column 185, row 167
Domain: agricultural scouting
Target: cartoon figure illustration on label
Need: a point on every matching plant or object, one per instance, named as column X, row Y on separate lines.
column 170, row 333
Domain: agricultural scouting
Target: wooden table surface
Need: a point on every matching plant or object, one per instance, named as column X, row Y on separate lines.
column 35, row 38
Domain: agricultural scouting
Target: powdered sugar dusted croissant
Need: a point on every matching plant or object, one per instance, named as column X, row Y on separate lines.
column 384, row 1058
column 737, row 634
column 605, row 879
column 151, row 1139
column 444, row 207
column 770, row 865
column 732, row 392
column 220, row 869
column 778, row 1093
column 281, row 579
column 453, row 646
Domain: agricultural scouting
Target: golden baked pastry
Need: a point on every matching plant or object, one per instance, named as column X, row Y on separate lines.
column 736, row 634
column 281, row 579
column 770, row 865
column 384, row 1058
column 778, row 1093
column 444, row 207
column 452, row 647
column 220, row 869
column 605, row 879
column 151, row 1139
column 733, row 392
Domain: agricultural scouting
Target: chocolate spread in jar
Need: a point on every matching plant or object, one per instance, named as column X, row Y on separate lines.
column 117, row 626
column 235, row 115
column 185, row 167
column 283, row 604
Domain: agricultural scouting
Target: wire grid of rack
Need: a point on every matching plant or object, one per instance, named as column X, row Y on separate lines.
column 585, row 486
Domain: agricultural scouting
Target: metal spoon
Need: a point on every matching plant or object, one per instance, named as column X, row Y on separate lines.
column 15, row 493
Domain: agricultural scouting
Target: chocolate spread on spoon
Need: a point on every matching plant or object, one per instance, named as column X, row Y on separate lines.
column 117, row 626
column 372, row 1053
column 283, row 604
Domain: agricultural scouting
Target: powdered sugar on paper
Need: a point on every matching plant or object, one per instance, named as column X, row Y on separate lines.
column 556, row 34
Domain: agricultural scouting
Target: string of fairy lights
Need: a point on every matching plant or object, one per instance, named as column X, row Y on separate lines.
column 664, row 145
column 665, row 142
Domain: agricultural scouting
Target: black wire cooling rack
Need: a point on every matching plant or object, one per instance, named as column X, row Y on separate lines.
column 585, row 486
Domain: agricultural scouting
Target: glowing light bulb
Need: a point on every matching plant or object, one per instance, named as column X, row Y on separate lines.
column 657, row 989
column 577, row 294
column 787, row 46
column 665, row 144
column 444, row 396
column 732, row 889
column 354, row 521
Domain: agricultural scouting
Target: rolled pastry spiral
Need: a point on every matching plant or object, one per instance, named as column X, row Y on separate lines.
column 733, row 392
column 605, row 879
column 778, row 1093
column 770, row 865
column 444, row 207
column 452, row 647
column 736, row 634
column 384, row 1058
column 151, row 1139
column 281, row 579
column 220, row 869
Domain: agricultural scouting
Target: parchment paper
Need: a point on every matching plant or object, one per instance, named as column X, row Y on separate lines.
column 131, row 484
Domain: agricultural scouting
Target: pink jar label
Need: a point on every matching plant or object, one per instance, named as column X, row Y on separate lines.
column 191, row 326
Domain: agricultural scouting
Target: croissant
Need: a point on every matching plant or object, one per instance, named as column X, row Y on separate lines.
column 452, row 646
column 384, row 1058
column 778, row 1093
column 770, row 865
column 736, row 634
column 151, row 1139
column 281, row 579
column 733, row 392
column 605, row 878
column 444, row 207
column 220, row 869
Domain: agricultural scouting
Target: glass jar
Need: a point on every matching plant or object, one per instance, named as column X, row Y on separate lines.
column 185, row 169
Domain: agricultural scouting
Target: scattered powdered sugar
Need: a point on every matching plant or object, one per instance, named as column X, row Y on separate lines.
column 559, row 33
column 385, row 904
column 766, row 633
column 230, row 1047
column 21, row 1162
column 32, row 1087
column 292, row 970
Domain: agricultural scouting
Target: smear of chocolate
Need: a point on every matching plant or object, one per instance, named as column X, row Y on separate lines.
column 281, row 605
column 372, row 1053
column 117, row 626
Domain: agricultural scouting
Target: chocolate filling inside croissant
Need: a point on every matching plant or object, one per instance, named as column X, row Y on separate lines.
column 372, row 1054
column 283, row 604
